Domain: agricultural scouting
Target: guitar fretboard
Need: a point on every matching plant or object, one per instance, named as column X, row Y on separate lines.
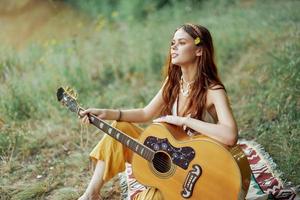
column 126, row 140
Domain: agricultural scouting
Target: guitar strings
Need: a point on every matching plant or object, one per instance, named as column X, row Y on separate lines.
column 160, row 162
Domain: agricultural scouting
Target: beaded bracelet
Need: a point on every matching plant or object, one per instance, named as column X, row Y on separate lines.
column 120, row 115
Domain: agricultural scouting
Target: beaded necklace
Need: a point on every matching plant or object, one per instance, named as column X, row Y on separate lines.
column 185, row 92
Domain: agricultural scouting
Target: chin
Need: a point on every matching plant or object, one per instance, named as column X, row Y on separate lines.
column 175, row 62
column 179, row 64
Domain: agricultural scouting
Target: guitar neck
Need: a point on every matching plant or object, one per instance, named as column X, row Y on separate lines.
column 126, row 140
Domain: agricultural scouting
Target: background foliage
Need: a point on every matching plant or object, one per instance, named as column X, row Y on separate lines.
column 112, row 53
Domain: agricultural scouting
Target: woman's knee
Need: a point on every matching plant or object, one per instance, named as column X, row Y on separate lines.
column 128, row 128
column 122, row 126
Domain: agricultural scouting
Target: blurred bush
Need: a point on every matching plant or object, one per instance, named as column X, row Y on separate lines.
column 136, row 10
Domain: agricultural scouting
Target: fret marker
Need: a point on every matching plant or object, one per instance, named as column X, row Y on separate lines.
column 92, row 119
column 128, row 141
column 118, row 135
column 109, row 130
column 137, row 147
column 142, row 151
column 101, row 125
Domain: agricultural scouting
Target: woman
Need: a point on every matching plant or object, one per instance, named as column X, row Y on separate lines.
column 191, row 93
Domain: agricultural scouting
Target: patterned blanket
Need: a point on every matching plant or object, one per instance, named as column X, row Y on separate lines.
column 265, row 180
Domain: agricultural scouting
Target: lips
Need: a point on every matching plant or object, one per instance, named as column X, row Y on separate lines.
column 174, row 55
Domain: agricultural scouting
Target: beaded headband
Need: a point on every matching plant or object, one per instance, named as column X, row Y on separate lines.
column 196, row 29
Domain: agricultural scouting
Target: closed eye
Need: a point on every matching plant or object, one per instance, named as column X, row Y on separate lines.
column 180, row 41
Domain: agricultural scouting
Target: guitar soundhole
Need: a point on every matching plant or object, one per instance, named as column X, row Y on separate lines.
column 161, row 162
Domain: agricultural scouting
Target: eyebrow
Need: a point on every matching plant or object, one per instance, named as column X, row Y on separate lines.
column 180, row 39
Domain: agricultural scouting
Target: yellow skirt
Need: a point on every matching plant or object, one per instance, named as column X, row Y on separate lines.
column 114, row 154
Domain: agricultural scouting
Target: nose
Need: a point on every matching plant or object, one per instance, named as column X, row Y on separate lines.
column 174, row 46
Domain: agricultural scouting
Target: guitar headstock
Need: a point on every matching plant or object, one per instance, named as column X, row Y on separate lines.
column 67, row 97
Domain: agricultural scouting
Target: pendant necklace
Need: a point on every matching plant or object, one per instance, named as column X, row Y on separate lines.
column 185, row 92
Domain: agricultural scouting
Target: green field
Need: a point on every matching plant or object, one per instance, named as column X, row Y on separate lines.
column 114, row 59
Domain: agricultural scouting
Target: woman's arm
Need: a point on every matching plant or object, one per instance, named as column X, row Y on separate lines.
column 144, row 114
column 225, row 131
column 130, row 115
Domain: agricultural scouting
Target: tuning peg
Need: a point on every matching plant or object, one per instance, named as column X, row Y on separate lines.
column 71, row 92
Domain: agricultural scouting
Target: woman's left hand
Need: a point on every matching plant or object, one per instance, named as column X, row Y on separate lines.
column 176, row 120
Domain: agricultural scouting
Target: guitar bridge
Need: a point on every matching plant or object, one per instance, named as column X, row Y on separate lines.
column 190, row 181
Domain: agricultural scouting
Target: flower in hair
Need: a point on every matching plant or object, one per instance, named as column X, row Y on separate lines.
column 197, row 40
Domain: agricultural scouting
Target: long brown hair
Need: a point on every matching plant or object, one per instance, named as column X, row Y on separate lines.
column 206, row 75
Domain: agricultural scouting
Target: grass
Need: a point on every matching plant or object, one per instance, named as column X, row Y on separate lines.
column 117, row 64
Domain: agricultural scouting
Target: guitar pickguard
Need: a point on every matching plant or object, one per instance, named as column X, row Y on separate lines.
column 180, row 156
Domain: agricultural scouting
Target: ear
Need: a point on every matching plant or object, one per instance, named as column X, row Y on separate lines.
column 199, row 52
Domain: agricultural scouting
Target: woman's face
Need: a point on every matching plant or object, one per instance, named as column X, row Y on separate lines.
column 183, row 48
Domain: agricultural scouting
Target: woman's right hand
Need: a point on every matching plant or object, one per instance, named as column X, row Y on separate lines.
column 100, row 113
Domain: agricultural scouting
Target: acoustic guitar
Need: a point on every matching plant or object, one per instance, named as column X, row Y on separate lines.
column 180, row 166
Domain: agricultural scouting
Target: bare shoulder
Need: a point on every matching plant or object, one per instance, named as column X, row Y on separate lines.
column 218, row 97
column 216, row 93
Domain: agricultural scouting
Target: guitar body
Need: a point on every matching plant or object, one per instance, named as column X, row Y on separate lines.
column 191, row 167
column 181, row 167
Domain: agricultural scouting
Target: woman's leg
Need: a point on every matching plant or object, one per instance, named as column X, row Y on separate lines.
column 110, row 157
column 92, row 191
